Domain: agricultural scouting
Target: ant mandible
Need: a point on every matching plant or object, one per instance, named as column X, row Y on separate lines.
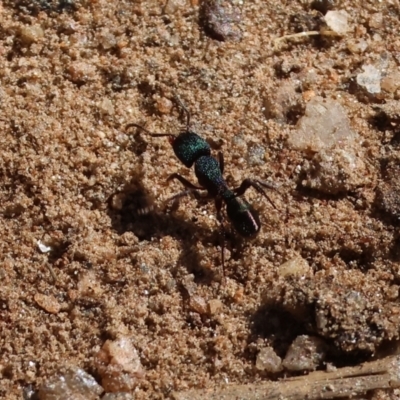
column 191, row 149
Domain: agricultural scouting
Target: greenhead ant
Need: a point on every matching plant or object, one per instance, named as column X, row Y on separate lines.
column 191, row 149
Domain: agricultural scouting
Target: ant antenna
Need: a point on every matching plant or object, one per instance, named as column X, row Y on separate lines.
column 186, row 111
column 171, row 135
column 148, row 132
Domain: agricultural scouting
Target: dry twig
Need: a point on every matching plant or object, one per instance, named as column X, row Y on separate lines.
column 344, row 382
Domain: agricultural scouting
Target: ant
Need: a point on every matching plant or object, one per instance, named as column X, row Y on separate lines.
column 191, row 149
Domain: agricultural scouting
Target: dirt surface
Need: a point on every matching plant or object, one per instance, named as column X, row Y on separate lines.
column 90, row 252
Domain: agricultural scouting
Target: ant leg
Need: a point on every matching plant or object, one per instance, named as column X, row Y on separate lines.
column 221, row 161
column 185, row 182
column 218, row 206
column 247, row 183
column 188, row 185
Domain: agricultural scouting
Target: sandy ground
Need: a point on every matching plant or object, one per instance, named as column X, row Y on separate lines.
column 90, row 252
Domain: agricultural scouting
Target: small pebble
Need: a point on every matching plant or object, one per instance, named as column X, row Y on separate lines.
column 214, row 307
column 221, row 19
column 306, row 353
column 71, row 383
column 106, row 39
column 337, row 21
column 119, row 365
column 106, row 107
column 198, row 304
column 323, row 126
column 337, row 163
column 31, row 34
column 391, row 82
column 370, row 79
column 164, row 105
column 255, row 155
column 267, row 360
column 308, row 95
column 89, row 285
column 337, row 170
column 297, row 266
column 42, row 247
column 48, row 303
column 173, row 6
column 81, row 72
column 357, row 46
column 376, row 21
column 283, row 103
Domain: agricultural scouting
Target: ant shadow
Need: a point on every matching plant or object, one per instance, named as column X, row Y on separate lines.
column 136, row 213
